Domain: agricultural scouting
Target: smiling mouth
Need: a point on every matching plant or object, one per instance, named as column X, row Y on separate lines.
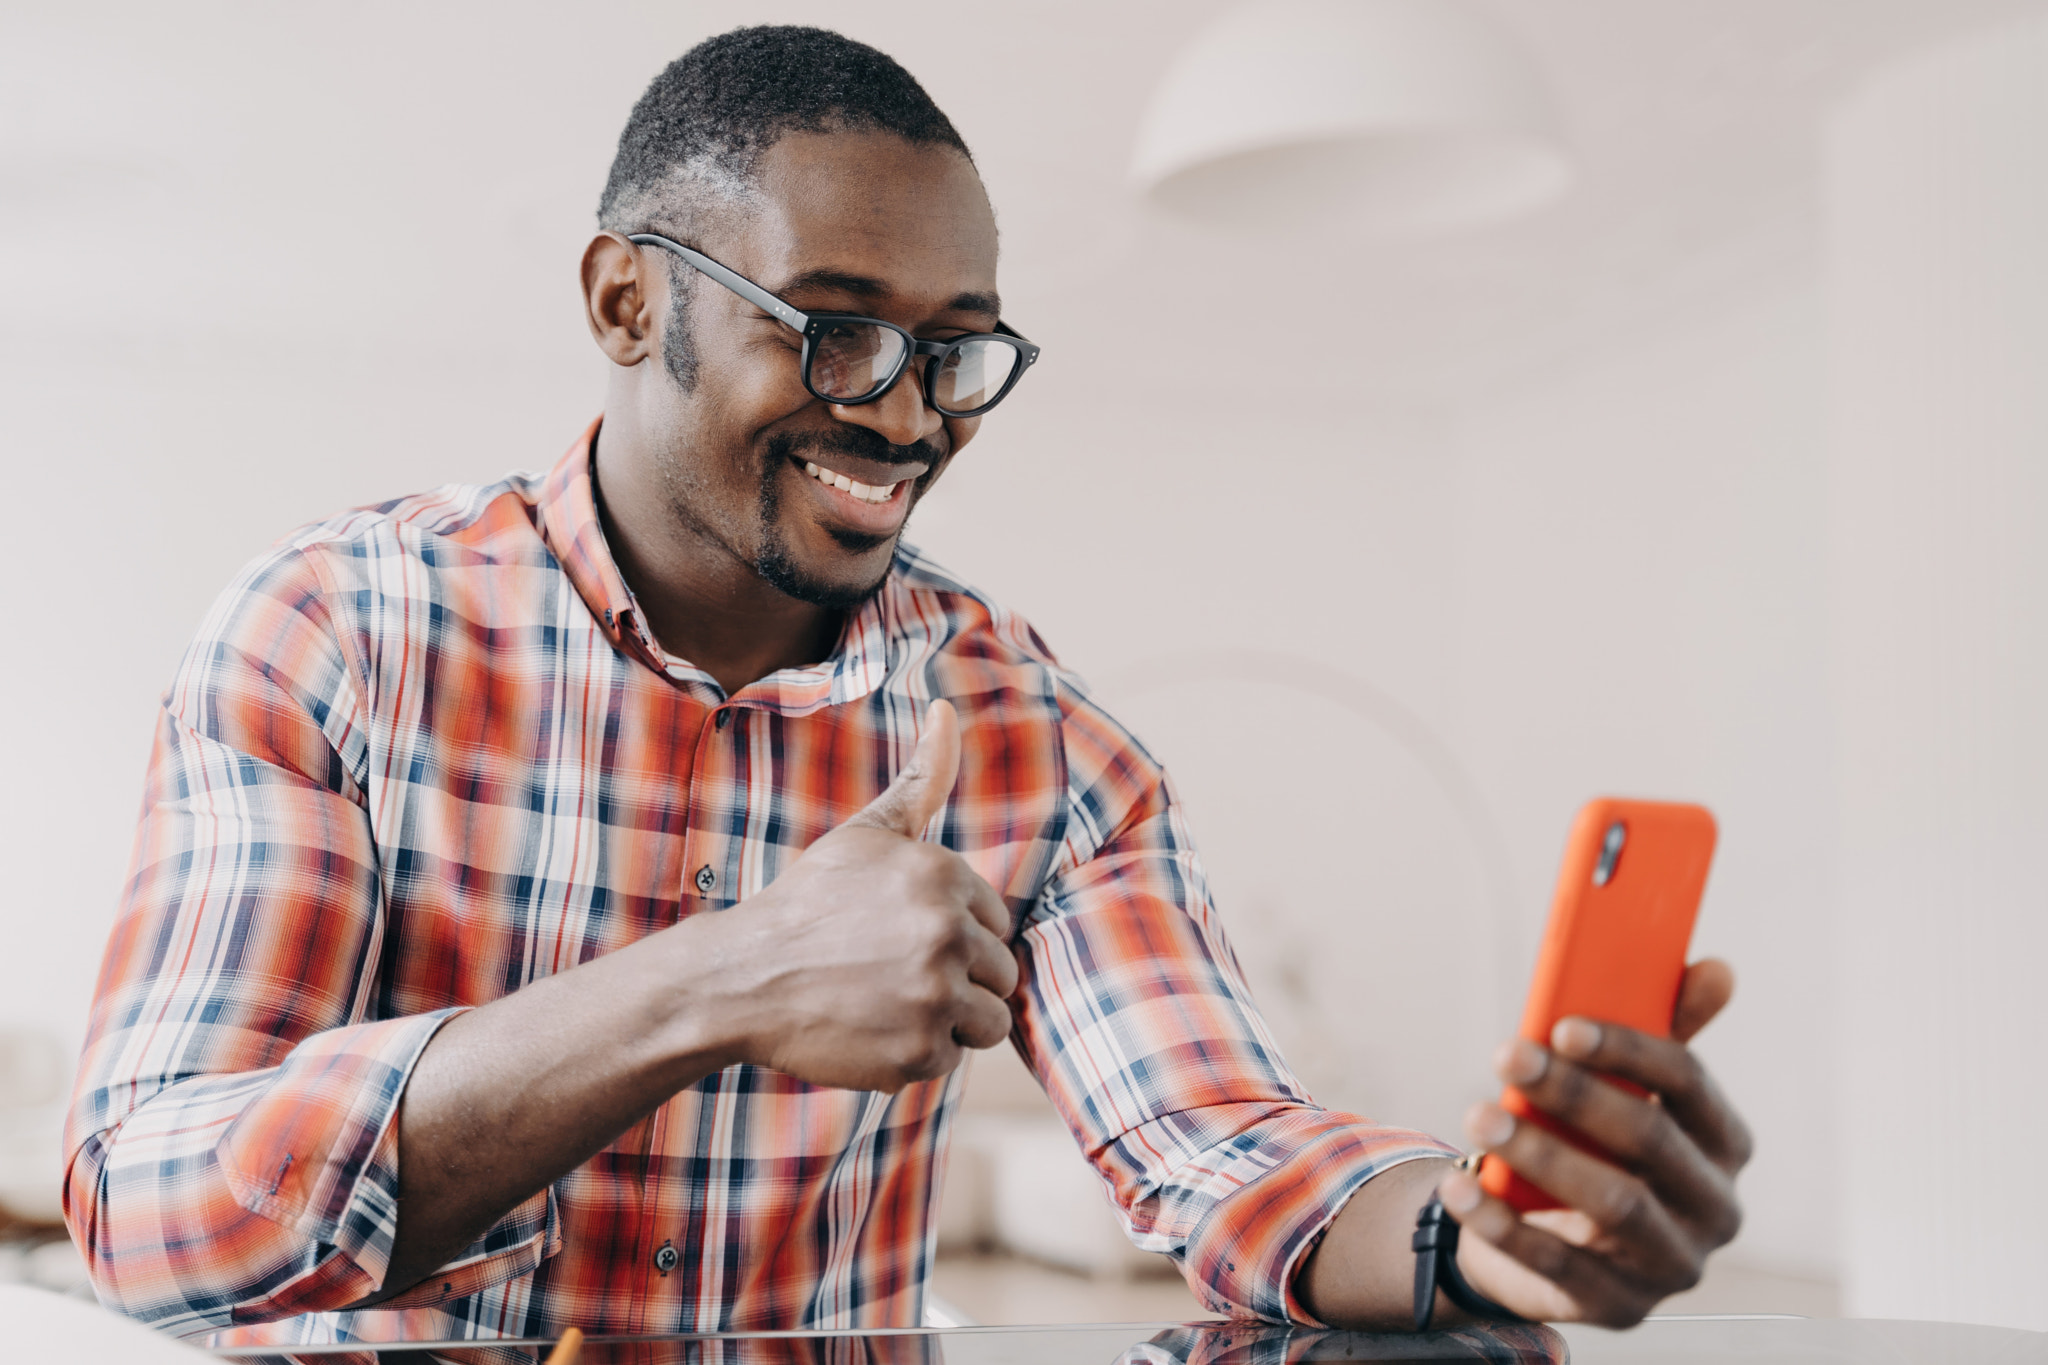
column 831, row 478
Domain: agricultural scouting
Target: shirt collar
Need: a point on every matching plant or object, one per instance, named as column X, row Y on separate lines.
column 569, row 520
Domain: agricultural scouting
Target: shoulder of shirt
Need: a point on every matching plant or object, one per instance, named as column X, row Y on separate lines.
column 456, row 523
column 409, row 523
column 320, row 566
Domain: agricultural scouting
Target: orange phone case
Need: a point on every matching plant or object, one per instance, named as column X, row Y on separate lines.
column 1614, row 953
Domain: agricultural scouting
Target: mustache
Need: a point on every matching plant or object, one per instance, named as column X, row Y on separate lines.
column 859, row 442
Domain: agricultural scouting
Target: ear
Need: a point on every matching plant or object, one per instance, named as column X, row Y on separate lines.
column 620, row 287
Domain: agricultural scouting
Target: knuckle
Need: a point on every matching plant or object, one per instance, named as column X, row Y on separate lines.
column 937, row 926
column 1570, row 1086
column 928, row 992
column 1654, row 1134
column 1624, row 1202
column 944, row 935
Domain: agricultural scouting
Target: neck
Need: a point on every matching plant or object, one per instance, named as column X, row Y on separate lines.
column 700, row 600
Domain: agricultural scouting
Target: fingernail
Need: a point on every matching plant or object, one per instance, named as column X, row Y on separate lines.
column 1576, row 1037
column 1490, row 1125
column 1460, row 1192
column 1520, row 1062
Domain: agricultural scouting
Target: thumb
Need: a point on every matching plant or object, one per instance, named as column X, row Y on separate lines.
column 1709, row 985
column 925, row 782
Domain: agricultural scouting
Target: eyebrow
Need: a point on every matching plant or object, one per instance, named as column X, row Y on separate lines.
column 869, row 288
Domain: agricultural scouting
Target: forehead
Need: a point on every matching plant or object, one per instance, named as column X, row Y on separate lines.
column 914, row 217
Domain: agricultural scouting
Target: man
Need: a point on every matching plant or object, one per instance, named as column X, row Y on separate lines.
column 565, row 902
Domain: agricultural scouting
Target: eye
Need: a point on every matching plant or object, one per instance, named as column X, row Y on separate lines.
column 850, row 360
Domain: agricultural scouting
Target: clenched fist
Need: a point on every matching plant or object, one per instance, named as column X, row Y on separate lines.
column 875, row 958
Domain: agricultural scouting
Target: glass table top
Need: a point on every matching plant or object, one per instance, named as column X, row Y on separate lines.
column 1665, row 1341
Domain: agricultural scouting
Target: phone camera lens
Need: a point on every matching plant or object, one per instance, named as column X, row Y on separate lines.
column 1610, row 854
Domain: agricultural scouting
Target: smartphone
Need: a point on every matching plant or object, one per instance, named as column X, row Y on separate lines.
column 1615, row 949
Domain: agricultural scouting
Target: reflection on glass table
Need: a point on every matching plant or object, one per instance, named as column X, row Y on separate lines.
column 1772, row 1341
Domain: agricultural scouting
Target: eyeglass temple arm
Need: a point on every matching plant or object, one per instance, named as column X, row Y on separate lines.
column 731, row 279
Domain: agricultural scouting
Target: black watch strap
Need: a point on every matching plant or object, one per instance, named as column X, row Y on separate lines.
column 1436, row 1267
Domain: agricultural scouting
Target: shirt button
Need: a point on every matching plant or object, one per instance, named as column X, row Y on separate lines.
column 666, row 1258
column 706, row 879
column 724, row 719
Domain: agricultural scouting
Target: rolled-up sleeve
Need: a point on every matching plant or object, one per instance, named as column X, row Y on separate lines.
column 232, row 1146
column 1137, row 1020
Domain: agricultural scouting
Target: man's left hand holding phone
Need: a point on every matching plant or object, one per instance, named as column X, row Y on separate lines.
column 1632, row 1234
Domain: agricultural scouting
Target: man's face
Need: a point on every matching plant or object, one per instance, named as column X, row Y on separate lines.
column 846, row 223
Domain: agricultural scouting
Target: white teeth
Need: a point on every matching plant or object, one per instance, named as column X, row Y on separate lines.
column 865, row 492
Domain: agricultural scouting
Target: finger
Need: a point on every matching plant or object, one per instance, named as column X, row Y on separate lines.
column 981, row 1020
column 987, row 904
column 1708, row 986
column 942, row 1058
column 1593, row 1289
column 1634, row 1225
column 922, row 787
column 1642, row 1136
column 990, row 964
column 1672, row 1071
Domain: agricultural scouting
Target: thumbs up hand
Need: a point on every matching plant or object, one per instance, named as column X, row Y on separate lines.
column 875, row 958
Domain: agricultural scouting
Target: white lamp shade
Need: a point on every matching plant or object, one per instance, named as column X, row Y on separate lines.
column 1397, row 115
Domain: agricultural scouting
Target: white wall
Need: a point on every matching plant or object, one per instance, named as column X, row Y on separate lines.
column 1938, row 289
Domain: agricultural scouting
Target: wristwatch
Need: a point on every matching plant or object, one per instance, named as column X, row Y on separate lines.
column 1436, row 1263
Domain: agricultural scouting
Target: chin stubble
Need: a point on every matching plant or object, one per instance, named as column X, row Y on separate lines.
column 779, row 568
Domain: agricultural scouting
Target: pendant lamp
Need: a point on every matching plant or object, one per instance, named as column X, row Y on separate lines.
column 1399, row 116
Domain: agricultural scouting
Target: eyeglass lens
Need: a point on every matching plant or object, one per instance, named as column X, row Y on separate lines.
column 851, row 360
column 972, row 374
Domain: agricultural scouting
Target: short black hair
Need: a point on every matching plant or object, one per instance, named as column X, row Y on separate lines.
column 695, row 139
column 713, row 111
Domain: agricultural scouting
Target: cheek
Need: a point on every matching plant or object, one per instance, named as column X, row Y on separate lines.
column 726, row 419
column 960, row 430
column 753, row 385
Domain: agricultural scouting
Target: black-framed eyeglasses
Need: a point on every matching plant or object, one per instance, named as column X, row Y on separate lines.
column 849, row 359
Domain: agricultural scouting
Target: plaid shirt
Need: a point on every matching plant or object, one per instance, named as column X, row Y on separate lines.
column 425, row 753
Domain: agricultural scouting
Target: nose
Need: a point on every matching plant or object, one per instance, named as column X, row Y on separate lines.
column 901, row 416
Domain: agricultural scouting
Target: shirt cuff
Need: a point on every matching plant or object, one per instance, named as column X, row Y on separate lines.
column 317, row 1151
column 1246, row 1251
